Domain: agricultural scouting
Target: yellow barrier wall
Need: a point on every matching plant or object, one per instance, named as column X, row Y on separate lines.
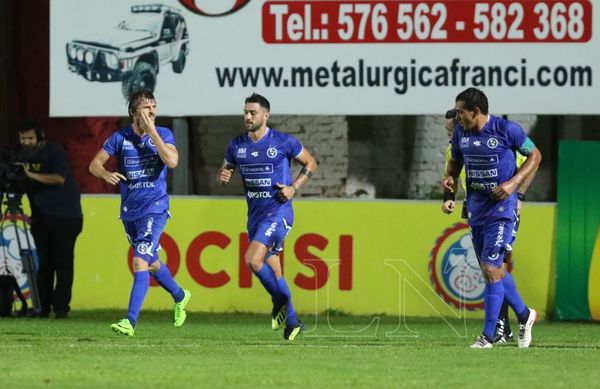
column 360, row 257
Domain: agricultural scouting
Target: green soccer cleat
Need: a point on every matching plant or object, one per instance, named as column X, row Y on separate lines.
column 278, row 315
column 179, row 308
column 123, row 327
column 290, row 333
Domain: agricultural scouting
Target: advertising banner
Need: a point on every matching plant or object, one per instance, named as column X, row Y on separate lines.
column 578, row 232
column 390, row 257
column 359, row 57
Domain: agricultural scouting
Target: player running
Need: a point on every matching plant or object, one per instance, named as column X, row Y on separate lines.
column 264, row 156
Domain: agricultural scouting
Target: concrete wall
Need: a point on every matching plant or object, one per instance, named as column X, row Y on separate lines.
column 396, row 157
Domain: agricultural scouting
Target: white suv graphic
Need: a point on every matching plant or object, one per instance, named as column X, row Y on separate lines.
column 154, row 35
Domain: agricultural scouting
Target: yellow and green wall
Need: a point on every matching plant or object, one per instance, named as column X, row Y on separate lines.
column 391, row 257
column 578, row 233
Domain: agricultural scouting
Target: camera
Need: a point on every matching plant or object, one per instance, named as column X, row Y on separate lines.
column 12, row 171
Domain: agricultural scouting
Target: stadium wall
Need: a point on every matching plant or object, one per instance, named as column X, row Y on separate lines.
column 359, row 257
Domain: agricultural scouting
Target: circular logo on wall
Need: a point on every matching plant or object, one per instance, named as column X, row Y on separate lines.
column 214, row 8
column 14, row 238
column 454, row 270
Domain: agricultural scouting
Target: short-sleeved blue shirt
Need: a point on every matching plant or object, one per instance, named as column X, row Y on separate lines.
column 489, row 158
column 145, row 191
column 262, row 166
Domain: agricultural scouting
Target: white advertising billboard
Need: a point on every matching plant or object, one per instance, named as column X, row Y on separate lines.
column 397, row 57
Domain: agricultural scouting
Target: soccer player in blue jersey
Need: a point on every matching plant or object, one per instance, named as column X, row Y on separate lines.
column 264, row 156
column 486, row 146
column 144, row 152
column 503, row 332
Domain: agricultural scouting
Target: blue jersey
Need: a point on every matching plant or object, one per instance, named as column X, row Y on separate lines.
column 489, row 158
column 262, row 166
column 145, row 191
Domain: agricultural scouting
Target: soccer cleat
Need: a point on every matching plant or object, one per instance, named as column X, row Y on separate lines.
column 504, row 338
column 524, row 339
column 482, row 342
column 123, row 327
column 500, row 336
column 179, row 309
column 278, row 314
column 290, row 333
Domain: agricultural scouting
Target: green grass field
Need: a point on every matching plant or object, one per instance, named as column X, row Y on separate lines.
column 240, row 350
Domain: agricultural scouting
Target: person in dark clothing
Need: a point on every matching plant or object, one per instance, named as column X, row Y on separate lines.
column 56, row 217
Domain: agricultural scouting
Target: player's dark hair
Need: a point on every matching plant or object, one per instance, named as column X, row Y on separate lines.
column 474, row 98
column 450, row 114
column 30, row 123
column 261, row 100
column 135, row 98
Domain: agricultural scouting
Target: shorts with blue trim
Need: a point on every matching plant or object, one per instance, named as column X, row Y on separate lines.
column 493, row 240
column 271, row 232
column 144, row 234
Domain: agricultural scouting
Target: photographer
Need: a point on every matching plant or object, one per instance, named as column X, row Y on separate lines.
column 56, row 218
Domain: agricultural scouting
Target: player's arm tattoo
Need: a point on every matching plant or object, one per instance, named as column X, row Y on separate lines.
column 309, row 167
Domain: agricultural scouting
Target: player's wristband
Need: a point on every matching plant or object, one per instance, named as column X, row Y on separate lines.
column 295, row 187
column 521, row 196
column 449, row 196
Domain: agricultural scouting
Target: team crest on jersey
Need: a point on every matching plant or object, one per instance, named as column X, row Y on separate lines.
column 454, row 270
column 151, row 142
column 271, row 152
column 492, row 143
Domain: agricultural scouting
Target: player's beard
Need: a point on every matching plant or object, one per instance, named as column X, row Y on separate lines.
column 254, row 127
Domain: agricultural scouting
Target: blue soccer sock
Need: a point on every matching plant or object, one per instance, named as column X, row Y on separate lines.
column 512, row 297
column 140, row 286
column 268, row 280
column 165, row 279
column 492, row 297
column 291, row 319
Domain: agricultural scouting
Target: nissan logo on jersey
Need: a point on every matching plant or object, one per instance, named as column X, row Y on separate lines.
column 199, row 6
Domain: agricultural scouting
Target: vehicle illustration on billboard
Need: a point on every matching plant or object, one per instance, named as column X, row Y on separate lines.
column 152, row 36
